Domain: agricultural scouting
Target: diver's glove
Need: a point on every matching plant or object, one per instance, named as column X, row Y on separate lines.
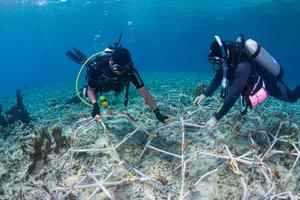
column 211, row 123
column 160, row 117
column 199, row 99
column 96, row 109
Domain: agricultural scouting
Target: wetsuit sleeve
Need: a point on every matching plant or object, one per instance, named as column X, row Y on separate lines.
column 240, row 78
column 213, row 86
column 136, row 79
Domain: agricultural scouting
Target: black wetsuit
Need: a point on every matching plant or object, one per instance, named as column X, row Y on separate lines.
column 242, row 79
column 103, row 79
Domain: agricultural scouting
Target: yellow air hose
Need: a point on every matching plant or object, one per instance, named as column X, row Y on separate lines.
column 78, row 76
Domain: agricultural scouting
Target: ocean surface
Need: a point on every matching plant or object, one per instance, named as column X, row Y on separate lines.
column 162, row 35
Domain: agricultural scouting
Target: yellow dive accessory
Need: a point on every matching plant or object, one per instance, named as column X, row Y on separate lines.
column 103, row 101
column 78, row 76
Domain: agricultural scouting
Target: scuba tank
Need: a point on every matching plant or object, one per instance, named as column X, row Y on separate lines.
column 263, row 58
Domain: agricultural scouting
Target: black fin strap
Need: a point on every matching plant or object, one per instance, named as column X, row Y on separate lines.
column 126, row 93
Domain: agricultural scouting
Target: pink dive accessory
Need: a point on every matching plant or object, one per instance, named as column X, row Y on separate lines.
column 259, row 96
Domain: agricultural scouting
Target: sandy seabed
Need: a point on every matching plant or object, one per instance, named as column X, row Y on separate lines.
column 129, row 155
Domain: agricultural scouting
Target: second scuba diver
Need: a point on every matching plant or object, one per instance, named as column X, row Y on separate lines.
column 113, row 71
column 246, row 71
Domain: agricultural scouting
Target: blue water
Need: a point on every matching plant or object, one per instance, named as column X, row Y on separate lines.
column 162, row 35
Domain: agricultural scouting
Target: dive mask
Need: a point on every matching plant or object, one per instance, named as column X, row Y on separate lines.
column 215, row 60
column 121, row 68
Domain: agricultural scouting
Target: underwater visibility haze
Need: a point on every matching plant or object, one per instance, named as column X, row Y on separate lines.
column 162, row 35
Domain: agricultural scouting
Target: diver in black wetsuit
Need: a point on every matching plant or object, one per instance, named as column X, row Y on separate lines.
column 113, row 71
column 241, row 76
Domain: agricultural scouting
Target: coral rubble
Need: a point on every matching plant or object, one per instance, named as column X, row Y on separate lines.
column 128, row 155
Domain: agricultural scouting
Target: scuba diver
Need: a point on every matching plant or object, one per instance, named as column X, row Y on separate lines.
column 246, row 72
column 112, row 70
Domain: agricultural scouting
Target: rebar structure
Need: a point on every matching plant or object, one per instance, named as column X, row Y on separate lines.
column 185, row 124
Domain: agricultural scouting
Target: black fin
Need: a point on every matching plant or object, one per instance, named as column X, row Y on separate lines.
column 80, row 55
column 73, row 57
column 77, row 56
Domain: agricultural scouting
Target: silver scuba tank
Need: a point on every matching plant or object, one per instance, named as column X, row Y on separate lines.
column 263, row 58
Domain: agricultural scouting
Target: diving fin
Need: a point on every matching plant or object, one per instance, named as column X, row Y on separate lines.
column 77, row 57
column 80, row 55
column 73, row 57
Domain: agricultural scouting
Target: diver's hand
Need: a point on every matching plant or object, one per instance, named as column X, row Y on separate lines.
column 96, row 110
column 97, row 118
column 199, row 99
column 211, row 123
column 160, row 117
